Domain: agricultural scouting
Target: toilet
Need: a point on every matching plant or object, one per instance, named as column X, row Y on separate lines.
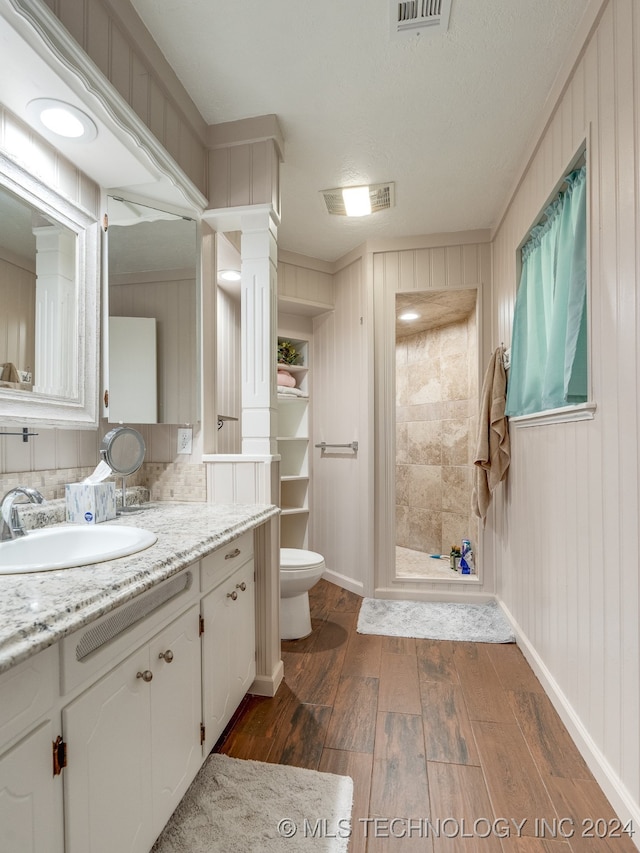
column 299, row 571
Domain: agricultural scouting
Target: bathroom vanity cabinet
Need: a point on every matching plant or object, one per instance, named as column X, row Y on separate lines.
column 138, row 697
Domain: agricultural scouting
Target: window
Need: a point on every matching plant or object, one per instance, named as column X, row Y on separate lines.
column 549, row 341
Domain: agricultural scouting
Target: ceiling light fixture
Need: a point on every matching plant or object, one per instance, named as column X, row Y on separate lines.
column 229, row 275
column 357, row 201
column 62, row 119
column 365, row 200
column 408, row 315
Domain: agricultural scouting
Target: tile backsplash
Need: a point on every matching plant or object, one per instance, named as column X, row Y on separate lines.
column 166, row 481
column 172, row 481
column 55, row 457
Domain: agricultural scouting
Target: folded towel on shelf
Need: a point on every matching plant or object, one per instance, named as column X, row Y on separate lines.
column 9, row 372
column 286, row 391
column 285, row 378
column 493, row 451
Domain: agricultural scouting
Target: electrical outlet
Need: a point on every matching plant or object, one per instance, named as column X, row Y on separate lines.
column 185, row 438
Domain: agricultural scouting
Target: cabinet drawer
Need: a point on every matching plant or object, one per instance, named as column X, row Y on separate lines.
column 89, row 651
column 27, row 691
column 218, row 565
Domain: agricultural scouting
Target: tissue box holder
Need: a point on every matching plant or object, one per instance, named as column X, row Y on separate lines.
column 90, row 503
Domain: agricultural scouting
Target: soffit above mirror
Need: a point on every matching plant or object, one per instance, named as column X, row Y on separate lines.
column 38, row 58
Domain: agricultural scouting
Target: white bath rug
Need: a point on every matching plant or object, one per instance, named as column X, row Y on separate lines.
column 435, row 620
column 236, row 806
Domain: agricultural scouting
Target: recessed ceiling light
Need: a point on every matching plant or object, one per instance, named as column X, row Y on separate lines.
column 357, row 201
column 62, row 119
column 229, row 275
column 408, row 315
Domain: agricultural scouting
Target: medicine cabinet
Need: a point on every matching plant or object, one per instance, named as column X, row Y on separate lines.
column 49, row 288
column 152, row 270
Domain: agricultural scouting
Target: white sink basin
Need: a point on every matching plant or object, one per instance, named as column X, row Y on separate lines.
column 69, row 546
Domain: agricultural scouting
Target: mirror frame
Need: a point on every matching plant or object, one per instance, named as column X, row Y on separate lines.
column 26, row 407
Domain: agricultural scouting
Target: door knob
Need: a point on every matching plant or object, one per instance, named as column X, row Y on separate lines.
column 232, row 595
column 147, row 675
column 242, row 586
column 167, row 656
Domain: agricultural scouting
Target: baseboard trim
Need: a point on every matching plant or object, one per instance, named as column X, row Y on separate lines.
column 463, row 597
column 621, row 800
column 344, row 582
column 267, row 685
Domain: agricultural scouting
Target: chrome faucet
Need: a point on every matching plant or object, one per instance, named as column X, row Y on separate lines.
column 10, row 524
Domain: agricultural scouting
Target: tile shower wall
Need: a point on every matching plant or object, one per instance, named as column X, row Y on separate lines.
column 436, row 401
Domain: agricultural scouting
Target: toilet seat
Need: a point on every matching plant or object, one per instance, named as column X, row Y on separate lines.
column 297, row 559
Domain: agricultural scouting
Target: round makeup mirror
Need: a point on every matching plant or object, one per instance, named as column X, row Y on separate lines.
column 123, row 450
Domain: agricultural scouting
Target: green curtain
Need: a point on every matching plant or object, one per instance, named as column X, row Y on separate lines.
column 549, row 340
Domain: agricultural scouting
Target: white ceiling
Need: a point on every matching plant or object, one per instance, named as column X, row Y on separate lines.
column 447, row 116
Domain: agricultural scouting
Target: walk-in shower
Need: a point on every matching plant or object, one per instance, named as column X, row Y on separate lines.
column 436, row 415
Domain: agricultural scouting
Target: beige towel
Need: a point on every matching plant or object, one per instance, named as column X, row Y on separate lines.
column 9, row 373
column 493, row 450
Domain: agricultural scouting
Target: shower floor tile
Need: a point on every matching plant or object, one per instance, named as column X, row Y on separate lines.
column 417, row 564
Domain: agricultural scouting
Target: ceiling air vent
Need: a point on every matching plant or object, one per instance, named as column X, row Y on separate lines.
column 413, row 16
column 382, row 196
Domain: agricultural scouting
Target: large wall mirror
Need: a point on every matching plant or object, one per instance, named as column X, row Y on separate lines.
column 153, row 313
column 48, row 294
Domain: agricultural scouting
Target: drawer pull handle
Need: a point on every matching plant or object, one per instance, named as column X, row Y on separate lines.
column 167, row 656
column 232, row 595
column 147, row 675
column 242, row 586
column 232, row 554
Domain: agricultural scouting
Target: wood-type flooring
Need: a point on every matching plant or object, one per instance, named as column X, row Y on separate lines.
column 451, row 746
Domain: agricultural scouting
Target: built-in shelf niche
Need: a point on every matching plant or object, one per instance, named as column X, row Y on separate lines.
column 294, row 494
column 293, row 417
column 293, row 447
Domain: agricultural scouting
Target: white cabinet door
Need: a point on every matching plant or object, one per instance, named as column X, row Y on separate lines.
column 133, row 744
column 228, row 650
column 31, row 796
column 243, row 648
column 176, row 712
column 216, row 660
column 108, row 777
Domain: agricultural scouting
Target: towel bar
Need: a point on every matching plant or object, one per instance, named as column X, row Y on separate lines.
column 352, row 444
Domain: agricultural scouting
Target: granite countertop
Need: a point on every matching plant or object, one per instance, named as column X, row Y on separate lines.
column 38, row 609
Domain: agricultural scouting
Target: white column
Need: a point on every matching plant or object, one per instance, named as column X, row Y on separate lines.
column 258, row 225
column 259, row 310
column 56, row 358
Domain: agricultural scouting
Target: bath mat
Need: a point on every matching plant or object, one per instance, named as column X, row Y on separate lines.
column 235, row 805
column 435, row 620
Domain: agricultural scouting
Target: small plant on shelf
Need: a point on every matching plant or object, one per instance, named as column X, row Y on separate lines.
column 287, row 353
